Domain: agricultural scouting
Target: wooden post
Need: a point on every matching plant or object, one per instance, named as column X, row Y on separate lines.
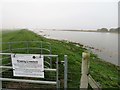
column 85, row 78
column 84, row 70
column 93, row 84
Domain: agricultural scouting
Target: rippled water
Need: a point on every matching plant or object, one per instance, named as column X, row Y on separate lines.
column 105, row 44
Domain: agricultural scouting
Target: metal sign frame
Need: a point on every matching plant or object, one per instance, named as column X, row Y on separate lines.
column 28, row 65
column 34, row 81
column 10, row 50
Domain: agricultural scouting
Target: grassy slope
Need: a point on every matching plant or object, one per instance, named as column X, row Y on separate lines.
column 104, row 73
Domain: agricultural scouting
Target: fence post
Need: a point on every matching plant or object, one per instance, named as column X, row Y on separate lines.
column 41, row 48
column 0, row 73
column 27, row 45
column 84, row 70
column 57, row 75
column 0, row 83
column 0, row 80
column 50, row 57
column 65, row 72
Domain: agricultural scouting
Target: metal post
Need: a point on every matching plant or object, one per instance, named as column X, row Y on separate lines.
column 57, row 80
column 50, row 57
column 65, row 72
column 10, row 47
column 0, row 80
column 41, row 48
column 0, row 73
column 27, row 46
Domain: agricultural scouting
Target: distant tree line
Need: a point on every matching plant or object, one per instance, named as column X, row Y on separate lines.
column 116, row 30
column 103, row 30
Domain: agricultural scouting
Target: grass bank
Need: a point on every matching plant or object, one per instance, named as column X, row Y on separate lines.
column 104, row 73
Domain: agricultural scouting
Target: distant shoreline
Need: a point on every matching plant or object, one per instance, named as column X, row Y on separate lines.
column 85, row 31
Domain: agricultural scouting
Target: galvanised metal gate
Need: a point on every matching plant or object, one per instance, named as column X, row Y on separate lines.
column 51, row 62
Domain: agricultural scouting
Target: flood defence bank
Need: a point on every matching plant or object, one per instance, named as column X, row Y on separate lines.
column 104, row 73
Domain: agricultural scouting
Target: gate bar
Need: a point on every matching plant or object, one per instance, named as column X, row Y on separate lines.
column 28, row 81
column 31, row 54
column 10, row 67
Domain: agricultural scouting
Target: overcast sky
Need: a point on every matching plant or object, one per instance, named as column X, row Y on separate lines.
column 65, row 14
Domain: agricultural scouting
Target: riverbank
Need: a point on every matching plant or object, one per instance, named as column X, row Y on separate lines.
column 103, row 44
column 104, row 73
column 82, row 31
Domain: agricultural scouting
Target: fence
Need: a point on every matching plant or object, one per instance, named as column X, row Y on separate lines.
column 51, row 64
column 39, row 48
column 86, row 78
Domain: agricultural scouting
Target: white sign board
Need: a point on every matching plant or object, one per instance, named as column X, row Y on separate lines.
column 28, row 65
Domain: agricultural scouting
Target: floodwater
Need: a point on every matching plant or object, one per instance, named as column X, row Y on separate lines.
column 105, row 45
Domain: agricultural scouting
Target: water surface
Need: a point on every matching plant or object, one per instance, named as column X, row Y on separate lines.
column 105, row 44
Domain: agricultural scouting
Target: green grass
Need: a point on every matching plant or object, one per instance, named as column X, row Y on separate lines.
column 104, row 73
